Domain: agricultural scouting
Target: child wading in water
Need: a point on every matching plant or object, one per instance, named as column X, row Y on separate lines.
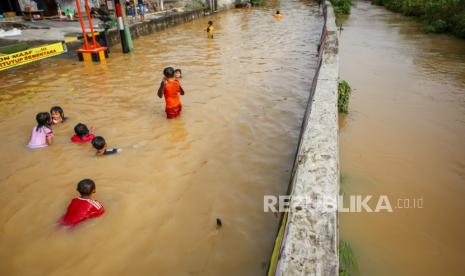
column 278, row 16
column 42, row 134
column 83, row 207
column 83, row 134
column 100, row 145
column 210, row 29
column 170, row 88
column 58, row 116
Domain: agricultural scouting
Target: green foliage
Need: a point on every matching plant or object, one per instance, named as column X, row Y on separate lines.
column 377, row 2
column 344, row 91
column 341, row 6
column 438, row 26
column 458, row 24
column 411, row 7
column 438, row 16
column 393, row 5
column 196, row 5
column 347, row 262
column 257, row 2
column 12, row 48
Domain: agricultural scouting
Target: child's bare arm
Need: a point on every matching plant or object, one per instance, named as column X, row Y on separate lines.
column 160, row 89
column 49, row 138
column 182, row 90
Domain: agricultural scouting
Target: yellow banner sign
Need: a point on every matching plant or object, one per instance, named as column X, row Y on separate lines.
column 29, row 55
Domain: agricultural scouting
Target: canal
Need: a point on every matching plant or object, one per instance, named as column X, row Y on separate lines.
column 246, row 91
column 403, row 137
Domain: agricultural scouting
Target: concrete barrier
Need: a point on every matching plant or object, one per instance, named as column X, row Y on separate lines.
column 144, row 28
column 310, row 238
column 156, row 25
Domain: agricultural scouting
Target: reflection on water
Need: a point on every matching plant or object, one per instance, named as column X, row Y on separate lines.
column 404, row 137
column 234, row 142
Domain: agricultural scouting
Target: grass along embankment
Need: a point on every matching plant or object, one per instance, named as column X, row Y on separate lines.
column 437, row 16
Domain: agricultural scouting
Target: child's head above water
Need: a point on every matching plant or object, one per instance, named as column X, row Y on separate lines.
column 168, row 72
column 43, row 120
column 277, row 12
column 81, row 130
column 57, row 114
column 177, row 73
column 86, row 187
column 99, row 143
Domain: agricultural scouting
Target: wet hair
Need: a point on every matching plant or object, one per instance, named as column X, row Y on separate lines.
column 98, row 142
column 210, row 22
column 168, row 72
column 59, row 110
column 277, row 12
column 43, row 120
column 85, row 187
column 81, row 130
column 178, row 70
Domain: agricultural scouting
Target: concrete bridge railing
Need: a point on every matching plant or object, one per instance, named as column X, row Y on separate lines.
column 307, row 242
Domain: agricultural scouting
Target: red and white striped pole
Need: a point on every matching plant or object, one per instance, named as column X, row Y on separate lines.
column 121, row 27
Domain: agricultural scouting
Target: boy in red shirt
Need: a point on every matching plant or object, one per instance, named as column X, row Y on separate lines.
column 83, row 207
column 171, row 88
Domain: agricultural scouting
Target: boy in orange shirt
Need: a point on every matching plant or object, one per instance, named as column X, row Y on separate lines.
column 171, row 88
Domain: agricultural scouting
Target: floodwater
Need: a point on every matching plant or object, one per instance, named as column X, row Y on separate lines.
column 404, row 137
column 246, row 92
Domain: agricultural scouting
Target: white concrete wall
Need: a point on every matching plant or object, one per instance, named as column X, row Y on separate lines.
column 311, row 239
column 226, row 4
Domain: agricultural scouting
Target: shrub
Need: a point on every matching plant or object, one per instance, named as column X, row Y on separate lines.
column 377, row 2
column 344, row 91
column 257, row 2
column 394, row 5
column 412, row 7
column 458, row 24
column 438, row 26
column 196, row 5
column 341, row 6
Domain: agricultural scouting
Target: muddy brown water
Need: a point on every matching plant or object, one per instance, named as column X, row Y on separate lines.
column 246, row 92
column 404, row 137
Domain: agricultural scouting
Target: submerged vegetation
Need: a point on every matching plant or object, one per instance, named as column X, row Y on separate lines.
column 347, row 262
column 438, row 16
column 341, row 6
column 344, row 91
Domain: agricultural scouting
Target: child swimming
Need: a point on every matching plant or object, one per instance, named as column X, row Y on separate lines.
column 101, row 146
column 58, row 116
column 170, row 88
column 177, row 74
column 83, row 134
column 210, row 29
column 42, row 134
column 278, row 16
column 82, row 207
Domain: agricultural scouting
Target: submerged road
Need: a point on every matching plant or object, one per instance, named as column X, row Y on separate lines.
column 246, row 91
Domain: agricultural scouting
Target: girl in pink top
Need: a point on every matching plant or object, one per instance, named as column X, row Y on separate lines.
column 42, row 134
